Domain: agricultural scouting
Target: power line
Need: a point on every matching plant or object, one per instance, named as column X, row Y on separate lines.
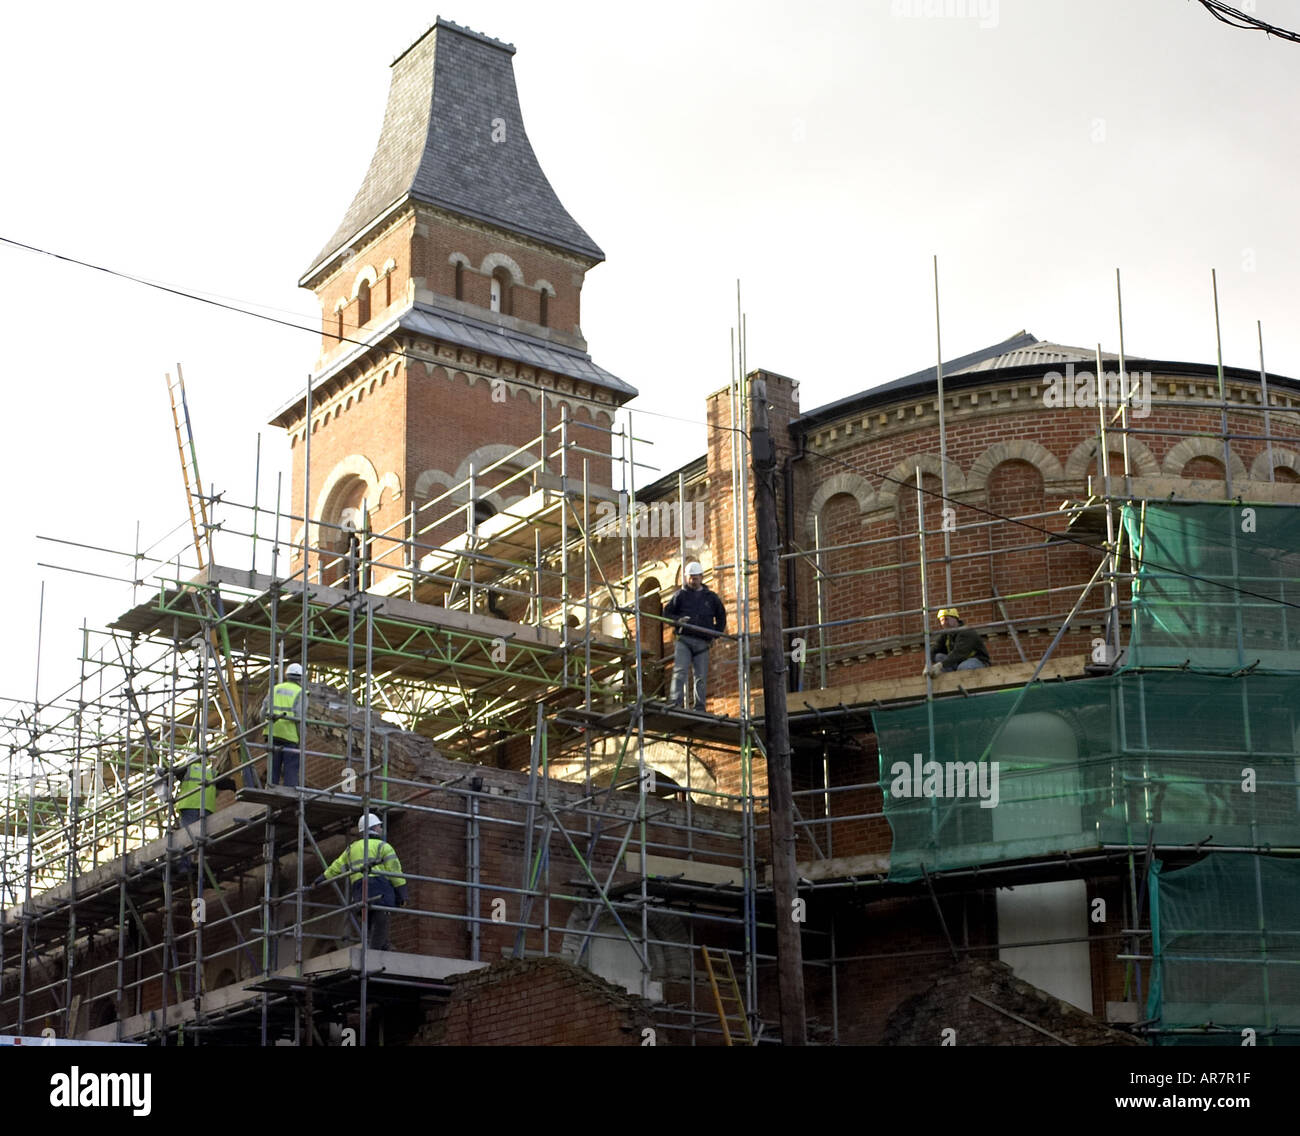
column 1235, row 18
column 224, row 305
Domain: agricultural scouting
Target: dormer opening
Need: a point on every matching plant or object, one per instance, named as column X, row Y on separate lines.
column 501, row 289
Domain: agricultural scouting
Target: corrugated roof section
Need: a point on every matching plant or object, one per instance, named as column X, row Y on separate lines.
column 1041, row 354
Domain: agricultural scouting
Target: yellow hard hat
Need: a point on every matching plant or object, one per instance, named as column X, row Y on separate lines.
column 944, row 612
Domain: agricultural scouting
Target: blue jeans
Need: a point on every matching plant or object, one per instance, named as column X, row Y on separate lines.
column 284, row 764
column 971, row 664
column 692, row 653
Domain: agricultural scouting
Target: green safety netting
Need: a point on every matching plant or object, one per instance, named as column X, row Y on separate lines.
column 1215, row 585
column 1226, row 942
column 1178, row 757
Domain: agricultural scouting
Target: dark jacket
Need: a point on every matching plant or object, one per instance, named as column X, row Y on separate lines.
column 697, row 615
column 959, row 645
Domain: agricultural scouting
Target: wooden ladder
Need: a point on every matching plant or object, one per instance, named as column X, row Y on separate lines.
column 189, row 461
column 228, row 693
column 726, row 996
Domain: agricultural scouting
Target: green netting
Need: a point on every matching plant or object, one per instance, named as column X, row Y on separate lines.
column 1209, row 583
column 1226, row 940
column 1121, row 759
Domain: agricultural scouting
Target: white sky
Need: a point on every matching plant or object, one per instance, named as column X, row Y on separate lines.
column 819, row 152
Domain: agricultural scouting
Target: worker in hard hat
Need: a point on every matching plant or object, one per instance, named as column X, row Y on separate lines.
column 281, row 711
column 194, row 794
column 698, row 618
column 956, row 647
column 196, row 790
column 375, row 874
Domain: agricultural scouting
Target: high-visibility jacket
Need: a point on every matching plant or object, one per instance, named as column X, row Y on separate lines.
column 191, row 792
column 368, row 856
column 281, row 709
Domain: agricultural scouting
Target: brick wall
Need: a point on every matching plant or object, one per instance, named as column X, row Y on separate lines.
column 951, row 1004
column 440, row 238
column 1008, row 455
column 542, row 1001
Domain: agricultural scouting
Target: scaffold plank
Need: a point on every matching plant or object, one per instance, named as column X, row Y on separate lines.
column 245, row 996
column 869, row 692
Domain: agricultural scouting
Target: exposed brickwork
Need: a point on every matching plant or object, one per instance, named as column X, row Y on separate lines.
column 544, row 1001
column 438, row 239
column 950, row 1004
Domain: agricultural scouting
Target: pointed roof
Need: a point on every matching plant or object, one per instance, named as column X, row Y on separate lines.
column 448, row 90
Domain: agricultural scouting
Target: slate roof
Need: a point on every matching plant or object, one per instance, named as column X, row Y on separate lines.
column 436, row 146
column 1022, row 350
column 477, row 335
column 490, row 339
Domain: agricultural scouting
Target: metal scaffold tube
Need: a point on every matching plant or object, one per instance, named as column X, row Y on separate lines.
column 484, row 642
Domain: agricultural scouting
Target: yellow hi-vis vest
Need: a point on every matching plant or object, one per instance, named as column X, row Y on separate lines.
column 191, row 794
column 379, row 859
column 284, row 711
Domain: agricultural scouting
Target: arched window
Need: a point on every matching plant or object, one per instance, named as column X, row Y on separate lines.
column 460, row 280
column 388, row 288
column 363, row 303
column 343, row 536
column 1207, row 468
column 501, row 291
column 339, row 314
column 543, row 315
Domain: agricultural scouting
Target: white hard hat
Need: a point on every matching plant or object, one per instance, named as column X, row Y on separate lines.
column 293, row 670
column 369, row 821
column 694, row 568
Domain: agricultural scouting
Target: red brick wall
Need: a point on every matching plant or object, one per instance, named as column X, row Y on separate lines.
column 538, row 1002
column 368, row 421
column 887, row 449
column 438, row 240
column 393, row 244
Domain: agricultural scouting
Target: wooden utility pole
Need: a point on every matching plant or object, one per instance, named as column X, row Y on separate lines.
column 789, row 918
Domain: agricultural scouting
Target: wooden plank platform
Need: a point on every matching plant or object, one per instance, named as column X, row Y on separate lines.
column 412, row 638
column 320, row 806
column 911, row 689
column 235, row 838
column 694, row 871
column 336, row 967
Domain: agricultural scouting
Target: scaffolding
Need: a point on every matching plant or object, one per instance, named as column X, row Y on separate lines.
column 485, row 680
column 454, row 659
column 1105, row 760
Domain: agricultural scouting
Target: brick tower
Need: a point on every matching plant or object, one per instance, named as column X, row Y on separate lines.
column 449, row 297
